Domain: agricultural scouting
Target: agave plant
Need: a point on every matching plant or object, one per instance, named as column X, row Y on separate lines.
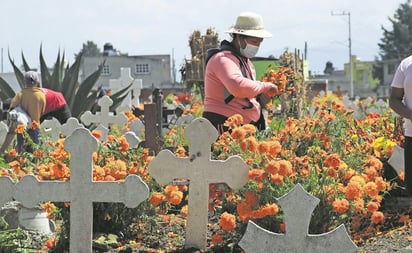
column 64, row 78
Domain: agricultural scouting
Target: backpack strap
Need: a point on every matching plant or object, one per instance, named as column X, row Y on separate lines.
column 227, row 47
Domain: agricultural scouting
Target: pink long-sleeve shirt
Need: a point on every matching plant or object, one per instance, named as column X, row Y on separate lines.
column 223, row 70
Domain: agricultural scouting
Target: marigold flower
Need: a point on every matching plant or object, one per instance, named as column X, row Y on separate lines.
column 97, row 134
column 372, row 206
column 272, row 167
column 238, row 133
column 227, row 222
column 216, row 239
column 285, row 168
column 332, row 160
column 340, row 205
column 353, row 190
column 377, row 217
column 34, row 125
column 371, row 189
column 20, row 129
column 276, row 178
column 251, row 199
column 274, row 148
column 184, row 211
column 257, row 174
column 156, row 198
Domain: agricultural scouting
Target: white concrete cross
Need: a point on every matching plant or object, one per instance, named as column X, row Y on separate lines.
column 3, row 131
column 105, row 117
column 137, row 126
column 201, row 171
column 397, row 160
column 297, row 206
column 52, row 128
column 81, row 191
column 70, row 125
column 124, row 80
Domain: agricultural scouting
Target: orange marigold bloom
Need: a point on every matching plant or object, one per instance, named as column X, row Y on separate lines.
column 272, row 167
column 332, row 160
column 375, row 162
column 353, row 190
column 381, row 183
column 276, row 178
column 270, row 209
column 249, row 129
column 216, row 239
column 174, row 197
column 156, row 198
column 274, row 148
column 238, row 133
column 34, row 125
column 358, row 205
column 227, row 222
column 251, row 199
column 257, row 174
column 12, row 152
column 263, row 147
column 371, row 189
column 340, row 205
column 124, row 144
column 372, row 206
column 377, row 217
column 285, row 168
column 20, row 129
column 97, row 134
column 282, row 227
column 184, row 211
column 234, row 121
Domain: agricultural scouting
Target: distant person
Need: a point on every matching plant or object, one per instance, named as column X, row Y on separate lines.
column 32, row 100
column 400, row 100
column 230, row 77
column 56, row 106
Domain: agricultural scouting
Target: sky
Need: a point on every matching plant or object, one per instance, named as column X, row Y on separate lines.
column 147, row 27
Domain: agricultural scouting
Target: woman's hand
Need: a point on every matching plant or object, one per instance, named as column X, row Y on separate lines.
column 273, row 90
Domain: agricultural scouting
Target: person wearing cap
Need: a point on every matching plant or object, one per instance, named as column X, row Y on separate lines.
column 33, row 101
column 230, row 77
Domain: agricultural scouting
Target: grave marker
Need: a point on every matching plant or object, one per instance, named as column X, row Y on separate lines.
column 132, row 98
column 70, row 125
column 105, row 117
column 297, row 206
column 52, row 128
column 201, row 171
column 81, row 191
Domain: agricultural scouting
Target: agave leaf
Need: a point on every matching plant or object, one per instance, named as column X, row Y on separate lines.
column 44, row 70
column 86, row 86
column 54, row 82
column 85, row 105
column 5, row 90
column 70, row 82
column 17, row 72
column 25, row 64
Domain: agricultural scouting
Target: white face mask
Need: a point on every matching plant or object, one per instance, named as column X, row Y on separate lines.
column 249, row 51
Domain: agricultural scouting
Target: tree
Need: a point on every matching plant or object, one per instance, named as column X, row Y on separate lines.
column 89, row 49
column 397, row 43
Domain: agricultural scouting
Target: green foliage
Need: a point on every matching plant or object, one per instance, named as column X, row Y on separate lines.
column 397, row 42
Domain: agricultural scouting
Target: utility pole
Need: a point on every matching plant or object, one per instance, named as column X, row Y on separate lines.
column 343, row 13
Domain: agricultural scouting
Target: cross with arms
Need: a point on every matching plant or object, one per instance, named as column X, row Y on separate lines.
column 201, row 171
column 81, row 191
column 297, row 206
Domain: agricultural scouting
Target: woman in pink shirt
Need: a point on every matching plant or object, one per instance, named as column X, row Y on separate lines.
column 230, row 77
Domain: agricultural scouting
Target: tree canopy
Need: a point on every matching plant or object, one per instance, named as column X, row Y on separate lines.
column 89, row 49
column 397, row 42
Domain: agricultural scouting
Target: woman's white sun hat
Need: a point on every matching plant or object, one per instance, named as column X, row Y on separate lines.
column 249, row 24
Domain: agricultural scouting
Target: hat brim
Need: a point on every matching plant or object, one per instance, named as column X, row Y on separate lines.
column 251, row 33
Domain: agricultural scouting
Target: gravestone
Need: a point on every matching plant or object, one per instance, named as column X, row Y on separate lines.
column 52, row 128
column 3, row 131
column 81, row 191
column 105, row 117
column 297, row 206
column 70, row 125
column 200, row 171
column 125, row 79
column 137, row 126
